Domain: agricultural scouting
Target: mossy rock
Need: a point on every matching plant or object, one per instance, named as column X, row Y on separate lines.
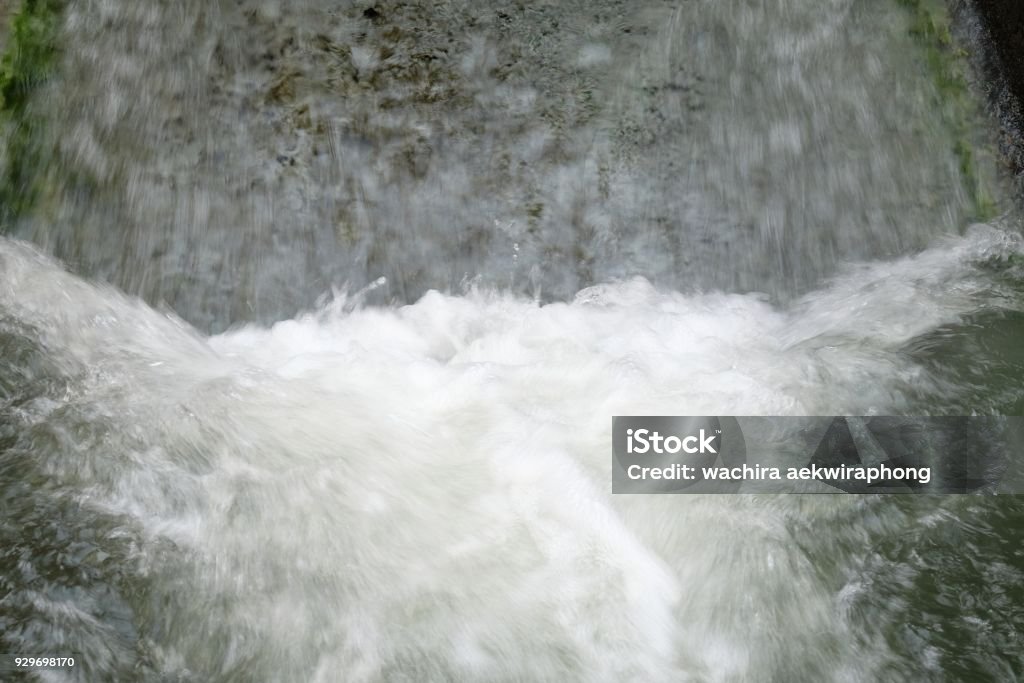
column 947, row 65
column 28, row 62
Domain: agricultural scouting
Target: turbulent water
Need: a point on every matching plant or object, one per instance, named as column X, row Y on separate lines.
column 229, row 452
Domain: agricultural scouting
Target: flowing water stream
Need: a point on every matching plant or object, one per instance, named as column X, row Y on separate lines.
column 310, row 340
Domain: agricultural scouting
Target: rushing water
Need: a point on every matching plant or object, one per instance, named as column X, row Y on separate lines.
column 282, row 468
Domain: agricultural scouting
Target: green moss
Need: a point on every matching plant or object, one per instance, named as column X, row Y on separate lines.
column 28, row 63
column 930, row 25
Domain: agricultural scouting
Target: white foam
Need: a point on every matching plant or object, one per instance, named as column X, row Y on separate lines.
column 357, row 493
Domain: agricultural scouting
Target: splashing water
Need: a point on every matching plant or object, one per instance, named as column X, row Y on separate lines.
column 422, row 492
column 579, row 210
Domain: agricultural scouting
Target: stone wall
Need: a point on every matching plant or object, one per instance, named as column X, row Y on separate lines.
column 1004, row 20
column 1002, row 29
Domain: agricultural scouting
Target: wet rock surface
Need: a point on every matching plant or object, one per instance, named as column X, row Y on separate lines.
column 1001, row 44
column 246, row 157
column 1005, row 22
